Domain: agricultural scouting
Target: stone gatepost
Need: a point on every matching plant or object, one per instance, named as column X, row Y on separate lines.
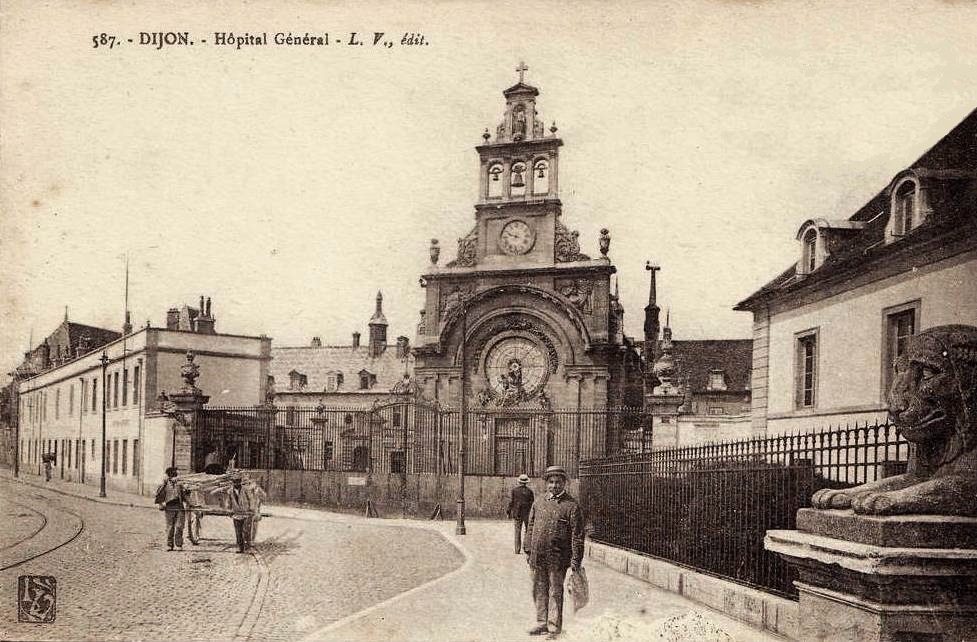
column 183, row 407
column 896, row 559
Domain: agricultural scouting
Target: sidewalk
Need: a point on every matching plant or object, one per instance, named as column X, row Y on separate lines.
column 489, row 598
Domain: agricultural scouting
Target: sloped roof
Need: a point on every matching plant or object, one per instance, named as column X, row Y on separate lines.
column 694, row 359
column 952, row 161
column 98, row 337
column 318, row 363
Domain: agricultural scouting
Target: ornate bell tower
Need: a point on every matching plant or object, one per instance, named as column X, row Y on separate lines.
column 521, row 319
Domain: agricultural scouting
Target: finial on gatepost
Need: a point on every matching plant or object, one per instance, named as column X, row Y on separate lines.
column 190, row 373
column 522, row 69
column 435, row 251
column 604, row 241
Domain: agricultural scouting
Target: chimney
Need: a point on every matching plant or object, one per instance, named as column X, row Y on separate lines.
column 356, row 339
column 45, row 355
column 204, row 322
column 316, row 342
column 403, row 347
column 173, row 319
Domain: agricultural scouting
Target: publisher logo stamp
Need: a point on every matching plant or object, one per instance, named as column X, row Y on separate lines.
column 37, row 598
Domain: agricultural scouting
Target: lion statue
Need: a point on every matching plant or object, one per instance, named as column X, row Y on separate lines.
column 933, row 404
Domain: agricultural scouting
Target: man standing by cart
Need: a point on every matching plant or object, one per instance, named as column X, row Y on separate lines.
column 242, row 511
column 170, row 495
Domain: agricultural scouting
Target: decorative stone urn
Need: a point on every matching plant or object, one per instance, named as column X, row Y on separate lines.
column 896, row 559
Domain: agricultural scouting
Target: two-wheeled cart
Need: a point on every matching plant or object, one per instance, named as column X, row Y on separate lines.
column 211, row 495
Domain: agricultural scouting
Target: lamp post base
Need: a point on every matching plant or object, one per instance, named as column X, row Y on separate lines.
column 460, row 526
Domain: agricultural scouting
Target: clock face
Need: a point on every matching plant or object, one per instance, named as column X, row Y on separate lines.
column 516, row 238
column 516, row 366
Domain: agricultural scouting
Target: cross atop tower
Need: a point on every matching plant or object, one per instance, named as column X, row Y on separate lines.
column 522, row 69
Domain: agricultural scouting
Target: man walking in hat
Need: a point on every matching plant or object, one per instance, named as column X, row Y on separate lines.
column 554, row 542
column 519, row 507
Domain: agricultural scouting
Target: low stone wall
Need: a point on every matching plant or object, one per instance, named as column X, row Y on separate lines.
column 390, row 493
column 762, row 610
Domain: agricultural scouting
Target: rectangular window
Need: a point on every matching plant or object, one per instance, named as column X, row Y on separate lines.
column 79, row 448
column 900, row 323
column 82, row 398
column 125, row 387
column 135, row 386
column 94, row 393
column 125, row 454
column 71, row 400
column 806, row 366
column 396, row 417
column 115, row 456
column 135, row 457
column 115, row 390
column 57, row 403
column 717, row 410
column 93, row 450
column 68, row 450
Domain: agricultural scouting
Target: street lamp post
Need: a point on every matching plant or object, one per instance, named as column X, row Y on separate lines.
column 460, row 526
column 105, row 364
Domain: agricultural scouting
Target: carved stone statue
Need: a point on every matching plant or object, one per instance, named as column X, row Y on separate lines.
column 933, row 403
column 190, row 373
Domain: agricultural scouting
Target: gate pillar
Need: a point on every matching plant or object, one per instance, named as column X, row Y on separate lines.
column 184, row 407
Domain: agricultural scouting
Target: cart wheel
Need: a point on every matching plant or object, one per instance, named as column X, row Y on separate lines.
column 193, row 526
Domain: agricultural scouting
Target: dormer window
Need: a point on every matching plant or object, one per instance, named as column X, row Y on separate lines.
column 334, row 380
column 812, row 247
column 367, row 379
column 717, row 379
column 907, row 208
column 810, row 256
column 904, row 208
column 297, row 380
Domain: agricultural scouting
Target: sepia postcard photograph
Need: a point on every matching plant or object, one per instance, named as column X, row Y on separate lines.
column 488, row 321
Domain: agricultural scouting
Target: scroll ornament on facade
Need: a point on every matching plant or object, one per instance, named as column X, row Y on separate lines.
column 466, row 249
column 566, row 246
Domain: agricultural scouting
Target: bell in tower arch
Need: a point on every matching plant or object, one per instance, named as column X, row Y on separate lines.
column 517, row 172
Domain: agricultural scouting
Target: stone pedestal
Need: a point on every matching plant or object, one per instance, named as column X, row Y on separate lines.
column 185, row 406
column 897, row 578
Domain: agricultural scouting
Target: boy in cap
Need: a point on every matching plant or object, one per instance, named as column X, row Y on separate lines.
column 554, row 542
column 519, row 506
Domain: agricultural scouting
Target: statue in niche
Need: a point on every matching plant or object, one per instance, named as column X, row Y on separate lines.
column 933, row 404
column 519, row 123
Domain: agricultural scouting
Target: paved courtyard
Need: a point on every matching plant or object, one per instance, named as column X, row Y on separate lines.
column 315, row 575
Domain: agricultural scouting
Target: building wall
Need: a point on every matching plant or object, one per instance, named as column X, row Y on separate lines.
column 850, row 340
column 690, row 430
column 55, row 416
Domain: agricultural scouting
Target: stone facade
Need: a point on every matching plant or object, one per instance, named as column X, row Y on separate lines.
column 522, row 316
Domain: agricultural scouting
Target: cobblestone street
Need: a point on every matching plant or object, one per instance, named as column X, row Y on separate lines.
column 117, row 581
column 313, row 575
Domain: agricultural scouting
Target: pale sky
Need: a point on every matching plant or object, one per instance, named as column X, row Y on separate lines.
column 291, row 183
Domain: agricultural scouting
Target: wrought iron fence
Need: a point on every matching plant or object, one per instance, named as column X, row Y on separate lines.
column 411, row 437
column 707, row 507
